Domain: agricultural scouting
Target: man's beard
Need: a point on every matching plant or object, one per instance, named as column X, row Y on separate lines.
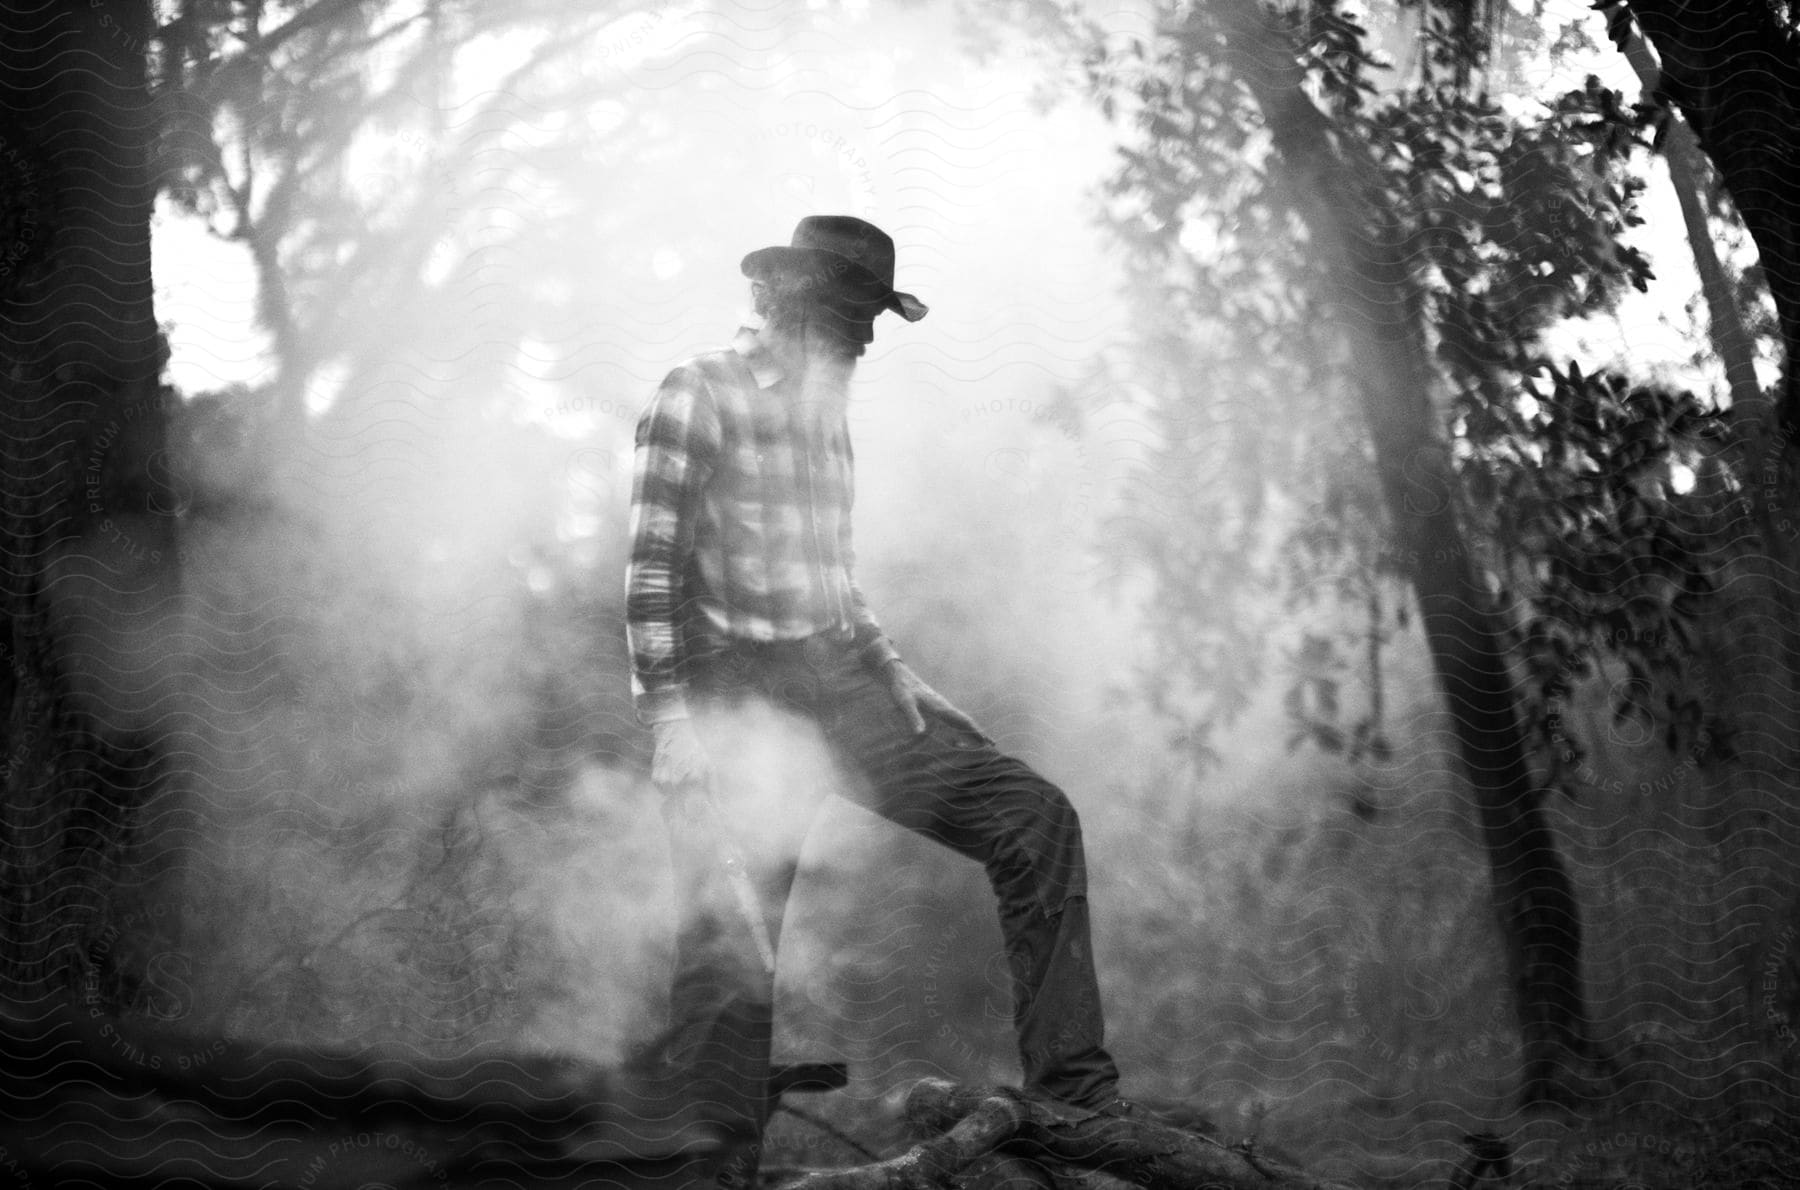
column 824, row 382
column 821, row 357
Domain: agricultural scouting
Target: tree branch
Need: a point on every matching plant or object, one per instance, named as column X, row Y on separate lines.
column 988, row 1121
column 1730, row 338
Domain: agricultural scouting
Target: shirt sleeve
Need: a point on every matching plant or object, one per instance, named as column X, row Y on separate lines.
column 677, row 445
column 870, row 641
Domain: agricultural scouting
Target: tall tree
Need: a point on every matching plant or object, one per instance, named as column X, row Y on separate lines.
column 1440, row 237
column 1731, row 75
column 87, row 545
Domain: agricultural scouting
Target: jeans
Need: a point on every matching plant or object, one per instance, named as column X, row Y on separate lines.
column 949, row 784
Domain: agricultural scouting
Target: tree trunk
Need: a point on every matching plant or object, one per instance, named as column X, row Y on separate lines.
column 1535, row 902
column 85, row 527
column 1734, row 72
column 1742, row 817
column 1725, row 321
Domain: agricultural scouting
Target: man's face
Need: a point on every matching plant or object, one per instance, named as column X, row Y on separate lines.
column 816, row 315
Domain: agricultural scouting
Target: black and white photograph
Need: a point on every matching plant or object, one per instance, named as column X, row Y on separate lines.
column 900, row 594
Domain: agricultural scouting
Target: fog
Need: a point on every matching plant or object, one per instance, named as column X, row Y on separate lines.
column 419, row 784
column 420, row 808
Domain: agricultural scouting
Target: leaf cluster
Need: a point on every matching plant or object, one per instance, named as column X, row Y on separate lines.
column 1604, row 497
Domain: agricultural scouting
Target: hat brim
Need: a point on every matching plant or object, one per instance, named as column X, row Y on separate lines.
column 840, row 268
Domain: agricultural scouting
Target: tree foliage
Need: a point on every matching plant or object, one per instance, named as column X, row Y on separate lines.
column 1512, row 218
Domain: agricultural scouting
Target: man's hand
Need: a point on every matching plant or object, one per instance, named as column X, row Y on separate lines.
column 680, row 761
column 914, row 697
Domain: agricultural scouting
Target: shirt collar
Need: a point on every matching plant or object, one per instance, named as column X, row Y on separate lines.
column 748, row 344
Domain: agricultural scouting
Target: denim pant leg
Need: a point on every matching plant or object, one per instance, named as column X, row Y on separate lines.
column 721, row 1002
column 956, row 788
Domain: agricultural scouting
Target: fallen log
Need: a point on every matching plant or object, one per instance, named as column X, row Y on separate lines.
column 995, row 1138
column 931, row 1164
column 1080, row 1149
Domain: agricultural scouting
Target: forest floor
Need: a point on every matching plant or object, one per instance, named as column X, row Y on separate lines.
column 1644, row 1136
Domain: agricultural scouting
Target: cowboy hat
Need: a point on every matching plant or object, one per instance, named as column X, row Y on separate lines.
column 852, row 252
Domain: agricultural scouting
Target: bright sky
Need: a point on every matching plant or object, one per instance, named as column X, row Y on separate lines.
column 206, row 291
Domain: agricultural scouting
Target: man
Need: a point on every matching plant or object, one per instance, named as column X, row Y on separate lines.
column 740, row 592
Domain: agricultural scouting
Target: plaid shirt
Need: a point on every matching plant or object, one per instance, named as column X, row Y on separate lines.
column 740, row 522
